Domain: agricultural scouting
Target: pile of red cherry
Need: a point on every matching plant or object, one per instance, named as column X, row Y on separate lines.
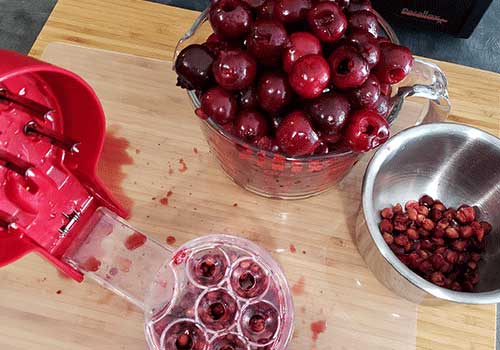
column 300, row 77
column 443, row 245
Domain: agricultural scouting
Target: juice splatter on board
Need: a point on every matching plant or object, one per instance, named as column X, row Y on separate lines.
column 299, row 287
column 171, row 240
column 113, row 158
column 183, row 166
column 164, row 200
column 293, row 249
column 317, row 328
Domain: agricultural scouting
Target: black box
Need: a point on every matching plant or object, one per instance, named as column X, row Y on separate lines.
column 457, row 17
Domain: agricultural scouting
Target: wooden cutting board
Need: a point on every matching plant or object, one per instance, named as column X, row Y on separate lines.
column 154, row 146
column 34, row 316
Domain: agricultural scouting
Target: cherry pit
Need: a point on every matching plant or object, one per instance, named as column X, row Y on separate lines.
column 296, row 77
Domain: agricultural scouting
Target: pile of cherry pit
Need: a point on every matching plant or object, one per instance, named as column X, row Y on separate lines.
column 443, row 245
column 300, row 77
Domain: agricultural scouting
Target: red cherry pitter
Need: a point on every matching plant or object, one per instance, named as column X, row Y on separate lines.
column 216, row 292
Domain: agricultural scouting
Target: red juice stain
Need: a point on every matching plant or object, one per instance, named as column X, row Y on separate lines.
column 299, row 287
column 113, row 158
column 180, row 257
column 135, row 241
column 195, row 150
column 92, row 264
column 317, row 328
column 171, row 240
column 235, row 205
column 113, row 271
column 137, row 151
column 59, row 292
column 164, row 200
column 183, row 167
column 293, row 249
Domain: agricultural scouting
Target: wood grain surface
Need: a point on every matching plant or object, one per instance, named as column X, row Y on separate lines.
column 34, row 316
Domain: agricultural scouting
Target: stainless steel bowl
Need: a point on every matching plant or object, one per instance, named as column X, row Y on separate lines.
column 454, row 163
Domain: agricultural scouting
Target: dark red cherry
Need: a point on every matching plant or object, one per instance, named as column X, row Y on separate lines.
column 219, row 104
column 194, row 68
column 329, row 113
column 295, row 135
column 268, row 144
column 234, row 70
column 254, row 3
column 366, row 130
column 215, row 44
column 310, row 75
column 359, row 5
column 367, row 94
column 248, row 98
column 274, row 92
column 395, row 63
column 348, row 69
column 382, row 106
column 266, row 41
column 266, row 10
column 300, row 45
column 364, row 20
column 366, row 45
column 322, row 149
column 290, row 11
column 385, row 89
column 250, row 125
column 342, row 3
column 230, row 19
column 327, row 21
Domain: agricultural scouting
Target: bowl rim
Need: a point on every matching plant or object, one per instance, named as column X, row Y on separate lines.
column 396, row 144
column 202, row 18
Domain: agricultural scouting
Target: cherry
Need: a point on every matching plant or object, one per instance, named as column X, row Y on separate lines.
column 329, row 114
column 382, row 106
column 310, row 76
column 254, row 3
column 250, row 125
column 267, row 40
column 300, row 45
column 327, row 21
column 367, row 94
column 395, row 63
column 290, row 11
column 266, row 10
column 230, row 19
column 364, row 20
column 215, row 44
column 342, row 3
column 366, row 130
column 385, row 89
column 348, row 68
column 366, row 45
column 234, row 70
column 248, row 98
column 194, row 67
column 359, row 5
column 295, row 135
column 322, row 149
column 268, row 144
column 219, row 104
column 274, row 92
